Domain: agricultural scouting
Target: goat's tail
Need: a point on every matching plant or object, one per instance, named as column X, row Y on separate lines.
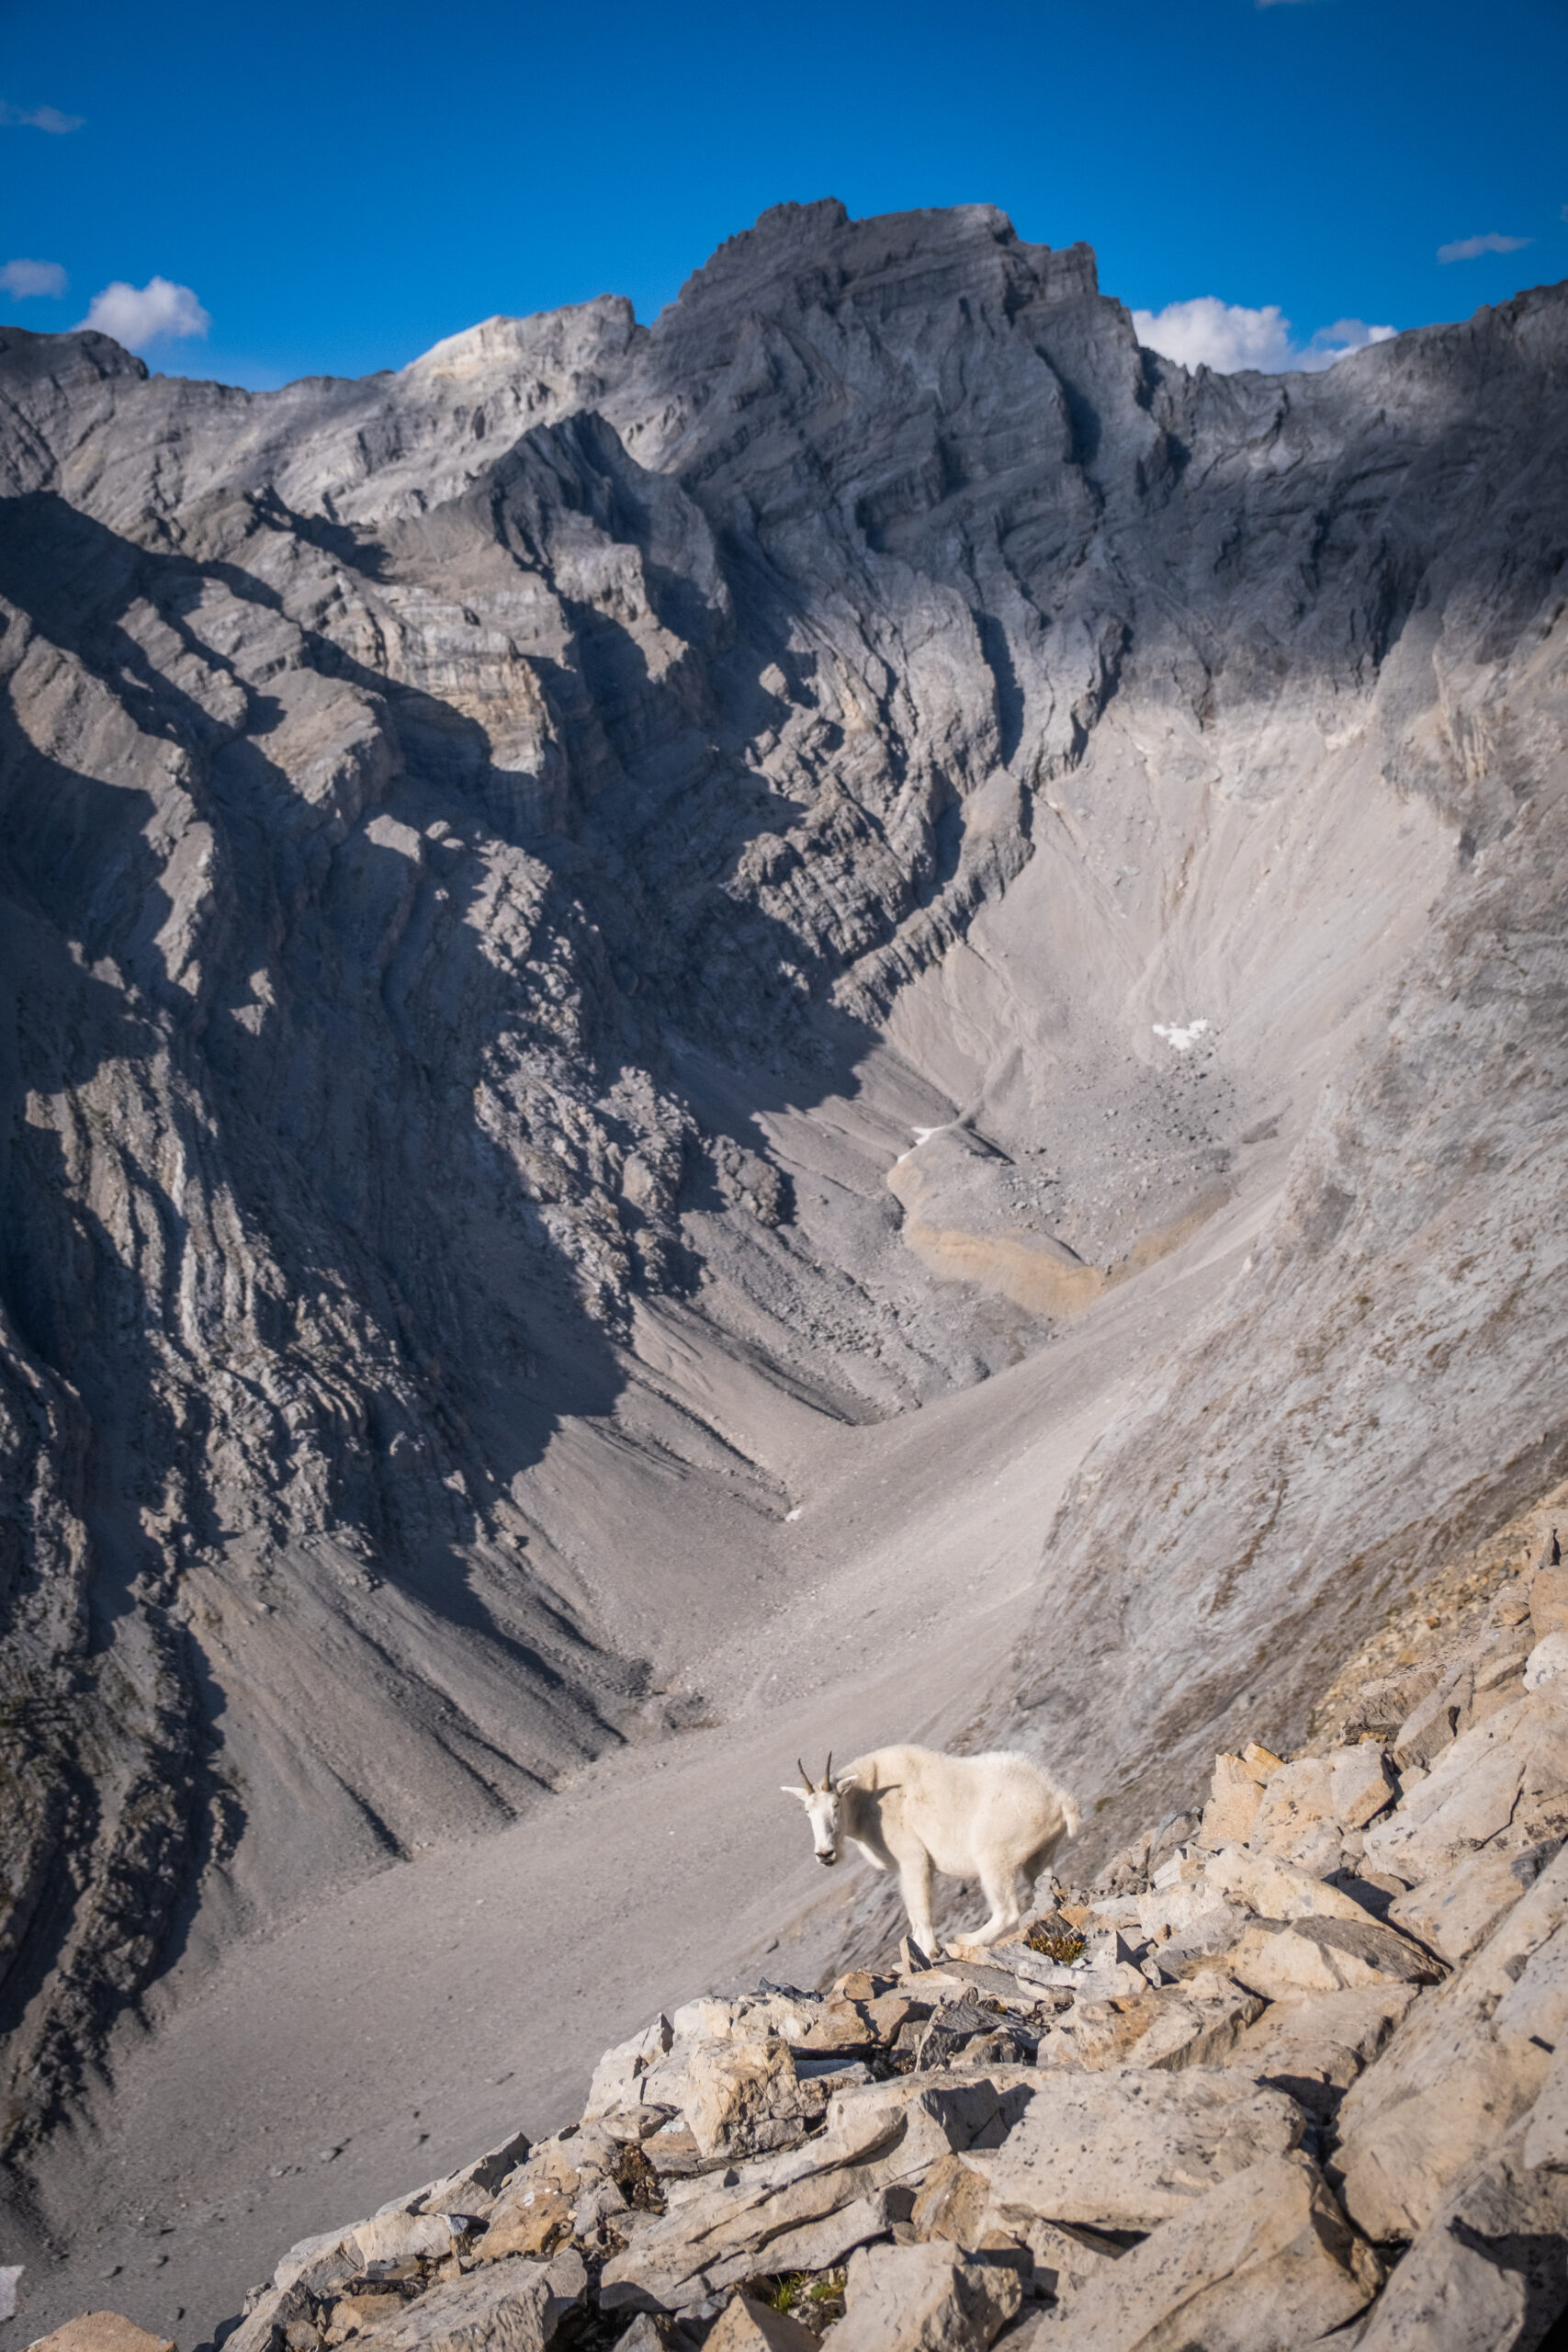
column 1071, row 1815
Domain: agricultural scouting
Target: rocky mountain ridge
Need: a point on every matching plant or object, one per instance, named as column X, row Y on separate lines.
column 620, row 869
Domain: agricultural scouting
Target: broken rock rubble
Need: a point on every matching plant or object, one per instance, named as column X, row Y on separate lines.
column 1307, row 2073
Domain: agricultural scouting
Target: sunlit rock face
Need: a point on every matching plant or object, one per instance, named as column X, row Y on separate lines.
column 813, row 839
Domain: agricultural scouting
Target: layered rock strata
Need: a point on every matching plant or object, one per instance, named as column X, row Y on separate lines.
column 503, row 864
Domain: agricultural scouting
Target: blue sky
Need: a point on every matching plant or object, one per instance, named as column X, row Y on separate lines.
column 335, row 185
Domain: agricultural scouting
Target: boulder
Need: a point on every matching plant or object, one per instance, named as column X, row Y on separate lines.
column 815, row 2245
column 837, row 2024
column 473, row 2188
column 1213, row 1932
column 1064, row 2259
column 744, row 2097
column 1436, row 1719
column 1549, row 1601
column 887, row 2132
column 511, row 2306
column 404, row 2237
column 354, row 2314
column 1096, row 2034
column 101, row 2332
column 1546, row 1661
column 1309, row 1804
column 747, row 2326
column 1200, row 2027
column 1489, row 2269
column 1266, row 2259
column 1464, row 2068
column 1314, row 2049
column 929, row 2298
column 953, row 2201
column 1284, row 1960
column 1277, row 1890
column 536, row 2220
column 1237, row 1792
column 618, row 2074
column 1456, row 1911
column 1125, row 2150
column 1499, row 1776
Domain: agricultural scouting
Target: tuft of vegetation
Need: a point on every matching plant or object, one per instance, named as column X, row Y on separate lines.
column 1055, row 1941
column 816, row 2301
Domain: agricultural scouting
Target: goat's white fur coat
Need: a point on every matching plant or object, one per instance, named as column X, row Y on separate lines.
column 998, row 1818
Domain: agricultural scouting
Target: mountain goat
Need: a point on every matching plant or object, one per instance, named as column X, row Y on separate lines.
column 996, row 1817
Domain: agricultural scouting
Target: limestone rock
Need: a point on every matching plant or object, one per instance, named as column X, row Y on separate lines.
column 1547, row 1660
column 1455, row 1912
column 1549, row 1601
column 924, row 2298
column 533, row 2222
column 1498, row 1776
column 1201, row 2030
column 1265, row 2259
column 1468, row 2062
column 1276, row 1890
column 814, row 2245
column 618, row 2076
column 101, row 2332
column 1127, row 2149
column 1314, row 2049
column 747, row 2326
column 1286, row 1960
column 746, row 2097
column 1490, row 2266
column 1235, row 1794
column 1308, row 1805
column 513, row 2306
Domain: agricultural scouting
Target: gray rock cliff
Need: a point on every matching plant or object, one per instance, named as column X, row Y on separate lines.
column 811, row 839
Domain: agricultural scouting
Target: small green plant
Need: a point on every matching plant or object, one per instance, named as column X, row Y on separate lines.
column 1055, row 1941
column 829, row 2288
column 779, row 2294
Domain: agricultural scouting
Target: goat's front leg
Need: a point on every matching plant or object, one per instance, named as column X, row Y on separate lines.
column 915, row 1881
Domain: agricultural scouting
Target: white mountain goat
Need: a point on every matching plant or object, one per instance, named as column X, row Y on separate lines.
column 998, row 1818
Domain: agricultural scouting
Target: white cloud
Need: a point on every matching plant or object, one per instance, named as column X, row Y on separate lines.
column 47, row 118
column 1471, row 248
column 155, row 312
column 23, row 278
column 1207, row 333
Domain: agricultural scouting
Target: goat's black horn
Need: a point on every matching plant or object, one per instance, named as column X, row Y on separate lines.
column 828, row 1775
column 804, row 1775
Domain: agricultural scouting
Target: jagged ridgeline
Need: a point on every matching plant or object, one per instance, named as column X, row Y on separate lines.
column 501, row 862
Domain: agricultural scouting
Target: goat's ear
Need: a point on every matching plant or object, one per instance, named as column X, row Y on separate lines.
column 790, row 1790
column 847, row 1780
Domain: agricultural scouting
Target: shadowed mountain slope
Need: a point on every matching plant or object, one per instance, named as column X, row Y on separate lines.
column 584, row 911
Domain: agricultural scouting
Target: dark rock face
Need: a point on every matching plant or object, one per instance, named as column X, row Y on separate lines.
column 461, row 827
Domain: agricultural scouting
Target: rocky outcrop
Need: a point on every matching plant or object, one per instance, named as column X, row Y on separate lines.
column 1230, row 2096
column 468, row 836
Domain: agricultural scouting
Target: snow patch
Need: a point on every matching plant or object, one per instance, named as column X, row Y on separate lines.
column 1182, row 1038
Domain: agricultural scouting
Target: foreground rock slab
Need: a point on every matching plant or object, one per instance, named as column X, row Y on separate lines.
column 1265, row 2259
column 1125, row 2150
column 924, row 2298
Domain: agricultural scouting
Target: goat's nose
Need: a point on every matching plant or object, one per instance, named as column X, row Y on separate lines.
column 828, row 1860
